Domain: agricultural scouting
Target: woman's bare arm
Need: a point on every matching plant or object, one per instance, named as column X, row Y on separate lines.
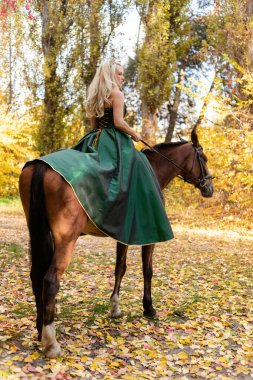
column 118, row 115
column 93, row 123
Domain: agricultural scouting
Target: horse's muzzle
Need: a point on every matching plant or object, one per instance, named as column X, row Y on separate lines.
column 207, row 190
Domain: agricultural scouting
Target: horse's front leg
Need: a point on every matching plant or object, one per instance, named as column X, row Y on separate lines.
column 120, row 270
column 147, row 252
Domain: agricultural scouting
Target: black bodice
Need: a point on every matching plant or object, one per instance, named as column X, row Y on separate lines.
column 106, row 120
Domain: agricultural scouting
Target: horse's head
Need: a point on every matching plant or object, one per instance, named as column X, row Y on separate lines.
column 182, row 159
column 196, row 170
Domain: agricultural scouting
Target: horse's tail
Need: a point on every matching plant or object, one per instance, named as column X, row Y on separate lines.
column 40, row 236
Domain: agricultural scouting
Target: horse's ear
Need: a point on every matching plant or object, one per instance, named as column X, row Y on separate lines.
column 194, row 137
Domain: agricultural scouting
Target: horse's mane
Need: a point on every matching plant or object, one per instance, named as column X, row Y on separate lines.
column 164, row 146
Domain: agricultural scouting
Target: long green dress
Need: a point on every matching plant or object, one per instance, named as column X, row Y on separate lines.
column 115, row 184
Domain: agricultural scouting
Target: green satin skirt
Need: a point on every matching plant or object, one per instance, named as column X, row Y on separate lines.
column 115, row 185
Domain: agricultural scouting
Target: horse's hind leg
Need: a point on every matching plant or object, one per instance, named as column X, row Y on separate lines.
column 147, row 253
column 120, row 270
column 61, row 259
column 37, row 286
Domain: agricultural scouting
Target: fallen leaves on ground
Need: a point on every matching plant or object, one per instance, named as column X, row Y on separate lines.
column 202, row 291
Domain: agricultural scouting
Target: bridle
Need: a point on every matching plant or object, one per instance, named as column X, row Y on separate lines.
column 197, row 182
column 201, row 182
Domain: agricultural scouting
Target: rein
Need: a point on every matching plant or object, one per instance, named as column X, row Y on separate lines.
column 201, row 182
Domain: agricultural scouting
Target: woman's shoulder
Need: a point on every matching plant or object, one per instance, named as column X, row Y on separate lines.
column 116, row 94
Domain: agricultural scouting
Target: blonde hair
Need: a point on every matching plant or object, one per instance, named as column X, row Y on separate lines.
column 100, row 89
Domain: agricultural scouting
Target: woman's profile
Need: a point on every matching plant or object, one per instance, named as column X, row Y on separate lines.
column 113, row 182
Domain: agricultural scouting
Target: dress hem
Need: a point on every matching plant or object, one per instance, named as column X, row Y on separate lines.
column 140, row 244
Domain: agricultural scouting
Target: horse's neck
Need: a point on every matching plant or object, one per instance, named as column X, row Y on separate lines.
column 166, row 171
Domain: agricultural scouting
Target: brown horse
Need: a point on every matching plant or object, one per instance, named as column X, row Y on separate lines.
column 56, row 219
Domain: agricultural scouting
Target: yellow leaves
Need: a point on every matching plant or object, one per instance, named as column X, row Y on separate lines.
column 109, row 339
column 151, row 353
column 31, row 358
column 248, row 348
column 16, row 146
column 115, row 364
column 17, row 358
column 223, row 361
column 214, row 338
column 8, row 363
column 241, row 369
column 35, row 355
column 139, row 145
column 187, row 340
column 79, row 366
column 120, row 341
column 183, row 356
column 229, row 151
column 219, row 325
column 4, row 374
column 144, row 376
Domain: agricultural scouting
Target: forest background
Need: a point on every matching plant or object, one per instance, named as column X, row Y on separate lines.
column 192, row 63
column 189, row 62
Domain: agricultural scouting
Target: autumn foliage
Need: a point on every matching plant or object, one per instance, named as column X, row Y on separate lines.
column 192, row 64
column 16, row 147
column 42, row 105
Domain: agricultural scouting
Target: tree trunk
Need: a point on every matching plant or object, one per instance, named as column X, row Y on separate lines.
column 10, row 86
column 250, row 43
column 53, row 35
column 149, row 123
column 149, row 116
column 47, row 136
column 95, row 38
column 173, row 111
column 90, row 68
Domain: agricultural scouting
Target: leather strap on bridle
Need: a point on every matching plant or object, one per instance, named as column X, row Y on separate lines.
column 199, row 181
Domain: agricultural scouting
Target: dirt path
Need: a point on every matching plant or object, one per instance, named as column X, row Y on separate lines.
column 13, row 230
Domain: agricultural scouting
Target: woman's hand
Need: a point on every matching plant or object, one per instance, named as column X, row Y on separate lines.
column 136, row 137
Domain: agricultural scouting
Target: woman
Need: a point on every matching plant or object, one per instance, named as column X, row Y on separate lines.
column 111, row 97
column 113, row 182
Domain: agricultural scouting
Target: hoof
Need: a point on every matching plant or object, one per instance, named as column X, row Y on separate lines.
column 115, row 313
column 49, row 343
column 39, row 336
column 53, row 351
column 150, row 314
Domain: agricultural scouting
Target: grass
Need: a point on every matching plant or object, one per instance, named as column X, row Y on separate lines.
column 11, row 205
column 180, row 311
column 23, row 309
column 11, row 251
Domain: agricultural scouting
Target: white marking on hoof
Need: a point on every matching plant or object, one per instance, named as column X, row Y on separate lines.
column 52, row 348
column 53, row 351
column 115, row 311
